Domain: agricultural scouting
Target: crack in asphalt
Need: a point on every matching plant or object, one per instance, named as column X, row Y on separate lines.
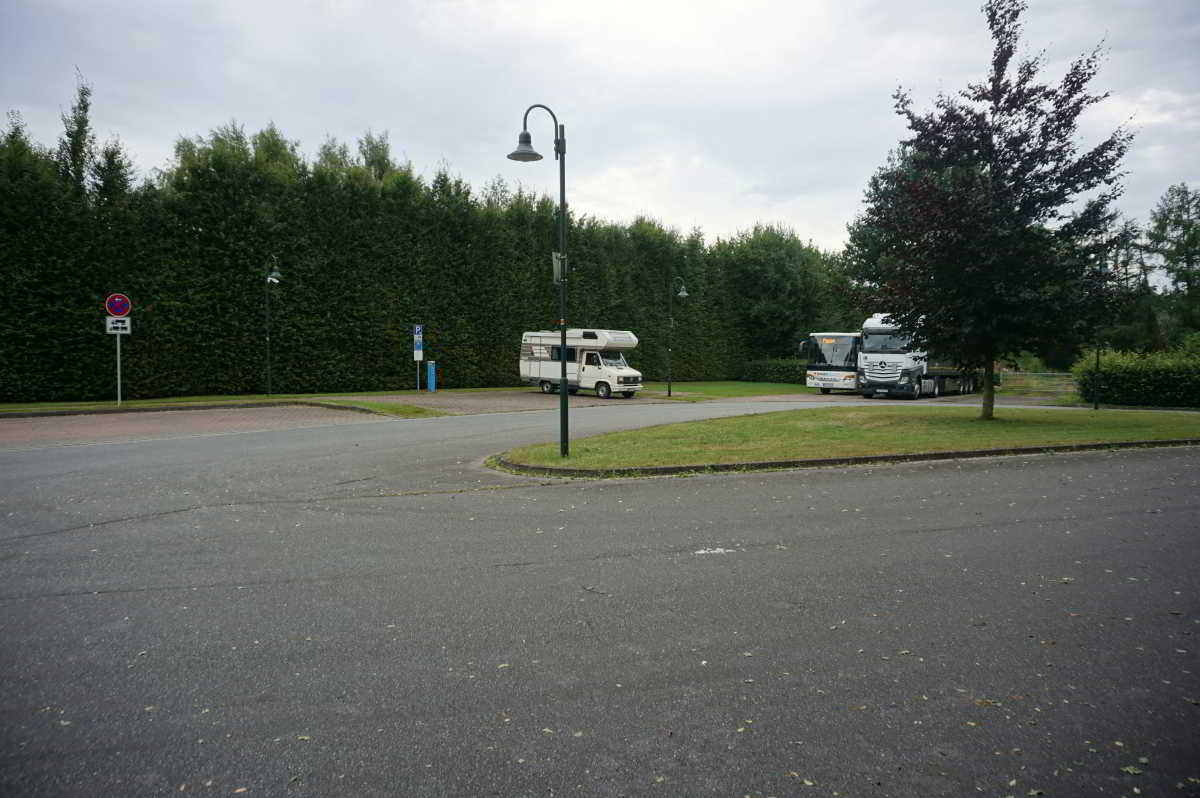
column 277, row 502
column 663, row 552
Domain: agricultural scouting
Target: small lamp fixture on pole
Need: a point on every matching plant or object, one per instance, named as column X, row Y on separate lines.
column 273, row 278
column 526, row 152
column 671, row 294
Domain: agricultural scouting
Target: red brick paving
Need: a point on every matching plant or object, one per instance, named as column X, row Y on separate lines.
column 20, row 433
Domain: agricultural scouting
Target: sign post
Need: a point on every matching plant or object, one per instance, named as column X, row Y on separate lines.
column 418, row 350
column 118, row 324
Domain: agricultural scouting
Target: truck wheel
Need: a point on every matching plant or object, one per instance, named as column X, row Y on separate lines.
column 547, row 386
column 826, row 390
column 603, row 391
column 572, row 391
column 628, row 394
column 937, row 387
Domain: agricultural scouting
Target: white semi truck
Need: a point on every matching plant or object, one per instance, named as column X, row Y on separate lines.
column 595, row 361
column 889, row 366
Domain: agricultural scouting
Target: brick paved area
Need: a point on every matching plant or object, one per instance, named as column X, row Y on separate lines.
column 22, row 433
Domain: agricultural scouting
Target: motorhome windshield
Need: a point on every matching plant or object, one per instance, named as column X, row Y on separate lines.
column 833, row 350
column 613, row 359
column 880, row 342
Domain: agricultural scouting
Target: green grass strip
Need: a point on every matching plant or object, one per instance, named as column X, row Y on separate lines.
column 385, row 408
column 831, row 432
column 246, row 399
column 723, row 389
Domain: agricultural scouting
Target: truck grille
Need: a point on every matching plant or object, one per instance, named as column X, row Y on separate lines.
column 883, row 372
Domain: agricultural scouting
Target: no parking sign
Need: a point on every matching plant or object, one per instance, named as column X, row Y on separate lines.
column 118, row 305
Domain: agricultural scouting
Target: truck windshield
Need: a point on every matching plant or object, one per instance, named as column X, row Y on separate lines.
column 614, row 359
column 833, row 350
column 879, row 342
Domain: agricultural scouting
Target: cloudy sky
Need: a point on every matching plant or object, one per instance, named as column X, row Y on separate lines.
column 699, row 113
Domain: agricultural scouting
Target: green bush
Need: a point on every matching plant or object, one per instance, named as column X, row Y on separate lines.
column 1159, row 379
column 778, row 370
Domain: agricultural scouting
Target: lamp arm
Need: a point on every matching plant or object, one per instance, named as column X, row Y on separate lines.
column 560, row 136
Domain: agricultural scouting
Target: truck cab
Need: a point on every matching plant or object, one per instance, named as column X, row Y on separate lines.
column 888, row 365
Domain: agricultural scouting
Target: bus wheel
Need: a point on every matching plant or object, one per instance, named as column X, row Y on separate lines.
column 826, row 390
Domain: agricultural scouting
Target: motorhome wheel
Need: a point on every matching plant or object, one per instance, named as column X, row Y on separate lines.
column 602, row 390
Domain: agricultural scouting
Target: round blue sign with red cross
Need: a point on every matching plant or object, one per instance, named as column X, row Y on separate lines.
column 118, row 305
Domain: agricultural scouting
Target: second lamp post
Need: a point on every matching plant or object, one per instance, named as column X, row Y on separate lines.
column 526, row 152
column 273, row 276
column 671, row 318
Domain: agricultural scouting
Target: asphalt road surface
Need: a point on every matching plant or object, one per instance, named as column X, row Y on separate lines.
column 342, row 605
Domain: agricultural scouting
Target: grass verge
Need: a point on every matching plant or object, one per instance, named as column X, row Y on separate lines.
column 355, row 399
column 385, row 408
column 832, row 432
column 723, row 389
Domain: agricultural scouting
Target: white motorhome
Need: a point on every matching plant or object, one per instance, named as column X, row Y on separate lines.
column 595, row 361
column 889, row 366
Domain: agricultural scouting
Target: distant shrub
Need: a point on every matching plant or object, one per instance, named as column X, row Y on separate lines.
column 778, row 370
column 1158, row 379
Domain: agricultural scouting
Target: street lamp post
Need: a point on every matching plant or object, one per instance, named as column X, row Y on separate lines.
column 273, row 276
column 526, row 152
column 671, row 318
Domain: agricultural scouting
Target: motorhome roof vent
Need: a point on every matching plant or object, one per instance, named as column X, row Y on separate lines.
column 589, row 334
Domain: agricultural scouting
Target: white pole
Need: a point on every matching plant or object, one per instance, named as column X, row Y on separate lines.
column 118, row 337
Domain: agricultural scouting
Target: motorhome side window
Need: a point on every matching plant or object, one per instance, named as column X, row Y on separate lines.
column 554, row 353
column 593, row 359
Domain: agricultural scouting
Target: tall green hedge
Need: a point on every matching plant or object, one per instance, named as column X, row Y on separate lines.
column 366, row 248
column 1162, row 379
column 776, row 370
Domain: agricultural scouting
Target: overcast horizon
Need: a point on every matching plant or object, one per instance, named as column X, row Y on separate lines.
column 716, row 115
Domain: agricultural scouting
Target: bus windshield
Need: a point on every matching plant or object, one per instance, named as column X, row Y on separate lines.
column 834, row 350
column 881, row 342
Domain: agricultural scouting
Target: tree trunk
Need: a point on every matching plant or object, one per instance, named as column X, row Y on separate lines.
column 989, row 392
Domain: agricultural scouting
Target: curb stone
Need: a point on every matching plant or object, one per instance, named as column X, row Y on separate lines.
column 656, row 471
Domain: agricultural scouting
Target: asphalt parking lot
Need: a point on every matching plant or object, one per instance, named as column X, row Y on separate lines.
column 354, row 605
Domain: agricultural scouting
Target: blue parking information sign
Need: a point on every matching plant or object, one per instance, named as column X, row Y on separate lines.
column 418, row 342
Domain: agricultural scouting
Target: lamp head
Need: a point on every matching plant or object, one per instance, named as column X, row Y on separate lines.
column 274, row 276
column 683, row 294
column 525, row 150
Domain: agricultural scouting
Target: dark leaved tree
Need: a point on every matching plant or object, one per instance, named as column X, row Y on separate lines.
column 988, row 231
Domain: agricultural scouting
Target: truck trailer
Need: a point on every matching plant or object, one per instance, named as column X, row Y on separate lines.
column 888, row 365
column 595, row 361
